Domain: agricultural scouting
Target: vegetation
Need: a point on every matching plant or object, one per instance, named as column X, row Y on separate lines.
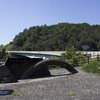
column 14, row 93
column 92, row 68
column 71, row 94
column 2, row 55
column 56, row 37
column 73, row 57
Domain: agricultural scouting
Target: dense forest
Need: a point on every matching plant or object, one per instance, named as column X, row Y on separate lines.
column 57, row 37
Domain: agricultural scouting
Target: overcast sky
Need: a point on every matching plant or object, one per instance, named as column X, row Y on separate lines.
column 16, row 15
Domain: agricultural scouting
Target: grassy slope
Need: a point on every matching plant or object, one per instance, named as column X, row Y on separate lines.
column 92, row 68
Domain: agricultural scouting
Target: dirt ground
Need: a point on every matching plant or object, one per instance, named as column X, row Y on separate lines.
column 61, row 86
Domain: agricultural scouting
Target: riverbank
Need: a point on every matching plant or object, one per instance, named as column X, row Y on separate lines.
column 80, row 86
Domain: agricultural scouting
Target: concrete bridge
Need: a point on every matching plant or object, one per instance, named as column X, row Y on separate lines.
column 49, row 54
column 37, row 54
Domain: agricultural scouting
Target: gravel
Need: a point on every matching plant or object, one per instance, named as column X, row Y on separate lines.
column 61, row 86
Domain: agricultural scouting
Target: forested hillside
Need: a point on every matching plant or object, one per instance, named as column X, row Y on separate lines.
column 57, row 37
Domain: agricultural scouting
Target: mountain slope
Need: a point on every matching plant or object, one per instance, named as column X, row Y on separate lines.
column 57, row 37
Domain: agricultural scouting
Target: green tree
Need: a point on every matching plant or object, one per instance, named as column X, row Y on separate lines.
column 71, row 54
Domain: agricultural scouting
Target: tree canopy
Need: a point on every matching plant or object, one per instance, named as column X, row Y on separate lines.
column 57, row 37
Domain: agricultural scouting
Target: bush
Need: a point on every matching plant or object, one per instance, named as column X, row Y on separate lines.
column 92, row 68
column 73, row 57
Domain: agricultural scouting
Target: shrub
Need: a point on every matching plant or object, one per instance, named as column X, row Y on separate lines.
column 73, row 57
column 92, row 68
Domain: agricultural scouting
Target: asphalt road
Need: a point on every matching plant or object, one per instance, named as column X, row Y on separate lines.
column 61, row 86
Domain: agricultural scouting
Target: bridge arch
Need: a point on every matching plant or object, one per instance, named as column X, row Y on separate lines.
column 41, row 68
